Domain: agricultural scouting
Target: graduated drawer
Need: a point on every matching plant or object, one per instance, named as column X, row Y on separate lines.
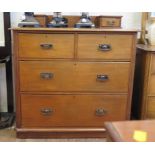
column 151, row 81
column 71, row 110
column 150, row 109
column 74, row 76
column 46, row 45
column 105, row 46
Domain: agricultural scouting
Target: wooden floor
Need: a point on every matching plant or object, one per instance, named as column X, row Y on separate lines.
column 9, row 135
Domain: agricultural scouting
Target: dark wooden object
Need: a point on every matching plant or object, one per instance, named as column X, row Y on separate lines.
column 146, row 82
column 124, row 131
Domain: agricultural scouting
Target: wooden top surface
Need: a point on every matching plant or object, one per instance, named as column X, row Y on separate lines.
column 75, row 29
column 108, row 16
column 123, row 131
column 147, row 48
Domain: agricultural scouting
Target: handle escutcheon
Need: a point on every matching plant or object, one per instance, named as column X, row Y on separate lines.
column 104, row 47
column 102, row 77
column 100, row 112
column 46, row 76
column 46, row 46
column 46, row 111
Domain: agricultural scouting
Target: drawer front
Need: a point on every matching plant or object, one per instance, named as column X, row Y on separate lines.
column 151, row 87
column 103, row 46
column 46, row 45
column 150, row 113
column 110, row 22
column 71, row 110
column 74, row 76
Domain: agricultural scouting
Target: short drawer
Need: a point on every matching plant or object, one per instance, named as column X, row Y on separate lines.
column 71, row 110
column 74, row 76
column 150, row 109
column 110, row 22
column 46, row 45
column 105, row 46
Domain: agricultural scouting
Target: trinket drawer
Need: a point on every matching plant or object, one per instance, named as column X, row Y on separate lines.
column 70, row 81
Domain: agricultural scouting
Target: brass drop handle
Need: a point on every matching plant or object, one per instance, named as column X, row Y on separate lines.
column 46, row 111
column 104, row 47
column 46, row 46
column 102, row 77
column 100, row 112
column 46, row 76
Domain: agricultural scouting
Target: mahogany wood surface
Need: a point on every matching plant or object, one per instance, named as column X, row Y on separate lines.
column 151, row 84
column 108, row 21
column 148, row 48
column 123, row 131
column 76, row 110
column 74, row 76
column 72, row 87
column 70, row 29
column 121, row 46
column 62, row 45
column 147, row 94
column 61, row 133
column 151, row 107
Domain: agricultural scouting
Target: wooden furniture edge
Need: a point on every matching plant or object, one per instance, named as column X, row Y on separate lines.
column 112, row 132
column 131, row 78
column 147, row 48
column 76, row 29
column 146, row 51
column 60, row 133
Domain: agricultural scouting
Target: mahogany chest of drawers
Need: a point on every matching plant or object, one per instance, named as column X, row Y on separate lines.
column 146, row 80
column 70, row 81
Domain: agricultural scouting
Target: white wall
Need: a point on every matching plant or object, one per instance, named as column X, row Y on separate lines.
column 2, row 39
column 129, row 20
column 3, row 90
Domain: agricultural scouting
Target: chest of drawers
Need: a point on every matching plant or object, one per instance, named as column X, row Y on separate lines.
column 70, row 81
column 146, row 80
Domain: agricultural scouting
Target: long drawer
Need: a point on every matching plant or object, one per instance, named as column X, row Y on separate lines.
column 74, row 76
column 105, row 46
column 46, row 45
column 71, row 110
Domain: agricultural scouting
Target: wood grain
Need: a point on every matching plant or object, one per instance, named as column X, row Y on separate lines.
column 108, row 21
column 147, row 92
column 74, row 91
column 150, row 113
column 69, row 30
column 88, row 46
column 9, row 135
column 151, row 82
column 122, row 131
column 71, row 110
column 62, row 45
column 74, row 76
